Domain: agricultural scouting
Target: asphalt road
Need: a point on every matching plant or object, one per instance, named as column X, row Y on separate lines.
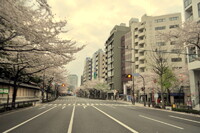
column 78, row 115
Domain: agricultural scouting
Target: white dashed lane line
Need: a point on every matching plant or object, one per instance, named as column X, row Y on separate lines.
column 184, row 119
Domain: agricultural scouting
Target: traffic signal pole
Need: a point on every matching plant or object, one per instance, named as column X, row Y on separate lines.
column 144, row 90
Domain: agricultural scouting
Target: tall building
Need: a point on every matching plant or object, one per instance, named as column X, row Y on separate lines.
column 146, row 38
column 97, row 64
column 126, row 62
column 113, row 57
column 87, row 72
column 192, row 13
column 72, row 81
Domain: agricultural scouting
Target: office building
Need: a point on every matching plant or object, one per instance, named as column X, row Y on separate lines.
column 97, row 65
column 113, row 57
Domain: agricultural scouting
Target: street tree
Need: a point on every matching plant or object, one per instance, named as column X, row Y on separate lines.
column 160, row 67
column 186, row 36
column 30, row 39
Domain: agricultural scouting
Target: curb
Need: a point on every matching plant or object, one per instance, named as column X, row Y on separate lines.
column 142, row 106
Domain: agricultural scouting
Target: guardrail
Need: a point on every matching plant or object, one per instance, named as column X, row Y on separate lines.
column 21, row 104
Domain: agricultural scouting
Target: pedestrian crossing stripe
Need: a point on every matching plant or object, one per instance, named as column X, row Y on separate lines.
column 88, row 104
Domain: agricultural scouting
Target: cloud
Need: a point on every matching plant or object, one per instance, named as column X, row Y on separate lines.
column 90, row 21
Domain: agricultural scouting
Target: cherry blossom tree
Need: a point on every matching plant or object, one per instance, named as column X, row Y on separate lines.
column 30, row 39
column 186, row 35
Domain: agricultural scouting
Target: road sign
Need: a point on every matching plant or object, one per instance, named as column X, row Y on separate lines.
column 4, row 91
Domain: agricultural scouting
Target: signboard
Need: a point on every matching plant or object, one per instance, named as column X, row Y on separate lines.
column 3, row 91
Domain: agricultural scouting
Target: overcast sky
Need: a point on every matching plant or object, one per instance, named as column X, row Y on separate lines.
column 90, row 21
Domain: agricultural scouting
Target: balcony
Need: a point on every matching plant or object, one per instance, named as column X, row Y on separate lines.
column 141, row 27
column 140, row 50
column 136, row 40
column 141, row 34
column 137, row 63
column 142, row 65
column 141, row 57
column 136, row 55
column 141, row 41
column 136, row 47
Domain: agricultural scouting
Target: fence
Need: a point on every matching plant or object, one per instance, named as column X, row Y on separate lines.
column 21, row 104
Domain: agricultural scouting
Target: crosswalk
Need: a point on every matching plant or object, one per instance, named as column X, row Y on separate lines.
column 85, row 104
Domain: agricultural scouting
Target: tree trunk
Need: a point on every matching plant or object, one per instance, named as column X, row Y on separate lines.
column 162, row 96
column 15, row 87
column 168, row 96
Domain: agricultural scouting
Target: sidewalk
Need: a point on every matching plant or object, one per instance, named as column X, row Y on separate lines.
column 166, row 110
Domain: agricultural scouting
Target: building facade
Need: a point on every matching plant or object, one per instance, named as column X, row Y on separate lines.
column 87, row 71
column 192, row 13
column 113, row 57
column 72, row 81
column 97, row 65
column 146, row 38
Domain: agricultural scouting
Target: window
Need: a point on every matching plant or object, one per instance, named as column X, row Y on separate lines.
column 176, row 59
column 160, row 43
column 175, row 50
column 187, row 3
column 198, row 5
column 172, row 42
column 159, row 20
column 173, row 26
column 160, row 28
column 173, row 18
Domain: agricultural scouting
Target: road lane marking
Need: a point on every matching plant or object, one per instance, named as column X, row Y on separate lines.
column 184, row 119
column 27, row 121
column 71, row 121
column 119, row 122
column 69, row 104
column 161, row 122
column 63, row 107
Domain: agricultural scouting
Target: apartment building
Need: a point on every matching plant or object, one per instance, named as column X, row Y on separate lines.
column 87, row 72
column 192, row 13
column 146, row 38
column 113, row 57
column 97, row 65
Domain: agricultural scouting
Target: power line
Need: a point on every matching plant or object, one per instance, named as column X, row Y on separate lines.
column 159, row 51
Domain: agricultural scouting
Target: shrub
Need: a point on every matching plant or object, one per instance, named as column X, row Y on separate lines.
column 186, row 110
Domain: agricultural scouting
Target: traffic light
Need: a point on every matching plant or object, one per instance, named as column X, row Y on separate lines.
column 129, row 76
column 63, row 85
